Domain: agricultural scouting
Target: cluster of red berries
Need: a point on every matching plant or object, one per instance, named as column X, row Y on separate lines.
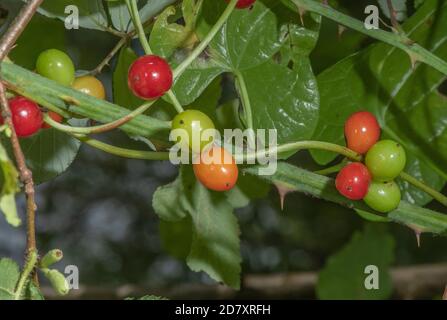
column 56, row 65
column 371, row 181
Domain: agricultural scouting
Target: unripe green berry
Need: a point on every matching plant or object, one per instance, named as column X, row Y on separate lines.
column 383, row 196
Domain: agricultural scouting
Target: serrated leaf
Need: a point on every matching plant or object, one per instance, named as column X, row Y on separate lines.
column 214, row 245
column 344, row 275
column 406, row 102
column 9, row 276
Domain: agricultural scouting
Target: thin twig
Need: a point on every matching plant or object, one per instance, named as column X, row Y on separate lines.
column 393, row 16
column 26, row 176
column 105, row 62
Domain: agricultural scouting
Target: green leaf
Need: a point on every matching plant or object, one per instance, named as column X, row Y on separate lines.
column 406, row 102
column 35, row 39
column 92, row 14
column 166, row 37
column 121, row 92
column 176, row 237
column 10, row 185
column 344, row 275
column 196, row 78
column 290, row 104
column 49, row 153
column 214, row 244
column 9, row 276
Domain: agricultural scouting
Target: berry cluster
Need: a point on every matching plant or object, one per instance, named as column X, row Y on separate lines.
column 56, row 65
column 150, row 77
column 372, row 181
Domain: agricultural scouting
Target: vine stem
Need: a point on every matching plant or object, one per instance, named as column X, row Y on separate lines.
column 122, row 152
column 245, row 99
column 28, row 268
column 420, row 185
column 26, row 176
column 333, row 169
column 206, row 41
column 398, row 40
column 133, row 10
column 101, row 128
column 300, row 145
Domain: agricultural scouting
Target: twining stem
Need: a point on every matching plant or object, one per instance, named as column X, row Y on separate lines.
column 420, row 185
column 122, row 152
column 26, row 177
column 206, row 41
column 296, row 146
column 101, row 128
column 133, row 10
column 178, row 107
column 398, row 40
column 334, row 169
column 245, row 99
column 30, row 263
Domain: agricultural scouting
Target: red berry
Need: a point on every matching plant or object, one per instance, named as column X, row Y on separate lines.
column 26, row 116
column 353, row 181
column 242, row 4
column 150, row 77
column 53, row 115
column 362, row 131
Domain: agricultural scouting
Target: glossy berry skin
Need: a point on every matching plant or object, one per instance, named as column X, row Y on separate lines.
column 53, row 115
column 353, row 181
column 362, row 131
column 91, row 86
column 217, row 169
column 386, row 160
column 150, row 77
column 56, row 65
column 383, row 196
column 243, row 4
column 194, row 123
column 26, row 116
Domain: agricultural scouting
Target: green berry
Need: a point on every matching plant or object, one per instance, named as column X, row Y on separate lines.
column 385, row 160
column 383, row 196
column 194, row 123
column 56, row 65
